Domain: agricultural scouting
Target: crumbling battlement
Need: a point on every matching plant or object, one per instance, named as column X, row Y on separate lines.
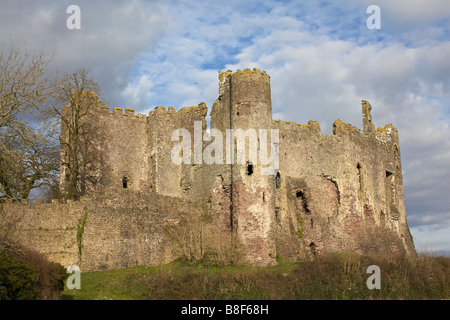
column 243, row 74
column 128, row 112
column 340, row 192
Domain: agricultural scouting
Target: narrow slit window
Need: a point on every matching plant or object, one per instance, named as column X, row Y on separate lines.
column 312, row 247
column 390, row 187
column 277, row 181
column 125, row 182
column 360, row 177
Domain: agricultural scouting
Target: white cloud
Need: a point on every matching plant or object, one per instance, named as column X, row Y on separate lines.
column 139, row 95
column 110, row 41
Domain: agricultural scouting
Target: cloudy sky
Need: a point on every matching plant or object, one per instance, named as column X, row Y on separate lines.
column 322, row 59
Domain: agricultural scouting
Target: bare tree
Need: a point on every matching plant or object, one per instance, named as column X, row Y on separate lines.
column 80, row 134
column 26, row 161
column 33, row 107
column 35, row 164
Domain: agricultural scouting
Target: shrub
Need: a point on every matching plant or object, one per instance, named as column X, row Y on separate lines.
column 17, row 279
column 25, row 274
column 50, row 276
column 197, row 240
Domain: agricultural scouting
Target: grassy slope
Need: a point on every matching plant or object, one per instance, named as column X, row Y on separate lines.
column 337, row 276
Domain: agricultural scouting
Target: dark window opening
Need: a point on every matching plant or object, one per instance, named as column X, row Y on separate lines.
column 277, row 181
column 390, row 187
column 312, row 224
column 396, row 154
column 312, row 247
column 360, row 177
column 304, row 201
column 264, row 197
column 125, row 182
column 249, row 168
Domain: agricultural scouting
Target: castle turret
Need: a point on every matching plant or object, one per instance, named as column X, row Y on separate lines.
column 244, row 105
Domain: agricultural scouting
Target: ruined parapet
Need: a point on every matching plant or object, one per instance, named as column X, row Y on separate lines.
column 368, row 126
column 388, row 133
column 103, row 108
column 251, row 96
column 165, row 176
column 117, row 111
column 129, row 112
column 120, row 112
column 342, row 128
column 312, row 126
column 201, row 109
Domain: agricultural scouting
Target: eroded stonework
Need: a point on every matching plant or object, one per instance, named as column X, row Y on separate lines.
column 341, row 192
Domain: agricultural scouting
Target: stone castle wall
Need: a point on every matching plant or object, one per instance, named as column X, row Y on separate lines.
column 341, row 192
column 122, row 229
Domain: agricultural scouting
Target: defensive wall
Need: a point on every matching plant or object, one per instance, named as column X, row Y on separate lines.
column 340, row 192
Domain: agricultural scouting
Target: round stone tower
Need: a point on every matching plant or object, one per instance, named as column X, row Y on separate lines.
column 244, row 106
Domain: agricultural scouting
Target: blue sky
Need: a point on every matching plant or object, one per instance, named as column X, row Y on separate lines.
column 321, row 57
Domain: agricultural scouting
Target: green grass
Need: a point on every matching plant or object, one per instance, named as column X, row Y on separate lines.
column 336, row 276
column 110, row 284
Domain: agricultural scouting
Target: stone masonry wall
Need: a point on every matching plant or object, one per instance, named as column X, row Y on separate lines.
column 126, row 148
column 123, row 228
column 341, row 192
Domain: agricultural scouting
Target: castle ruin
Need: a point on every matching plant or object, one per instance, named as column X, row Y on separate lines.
column 340, row 192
